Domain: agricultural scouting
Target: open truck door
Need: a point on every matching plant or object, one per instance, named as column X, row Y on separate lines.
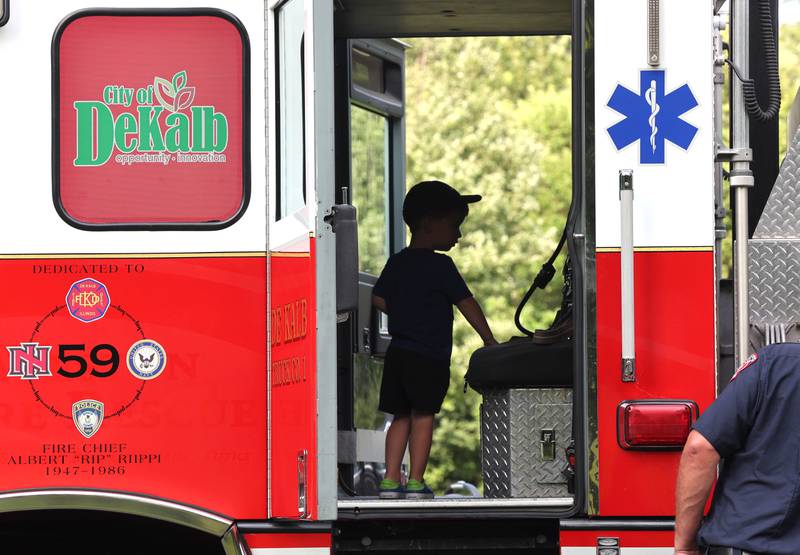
column 370, row 173
column 302, row 261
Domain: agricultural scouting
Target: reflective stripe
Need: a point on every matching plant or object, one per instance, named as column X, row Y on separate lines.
column 623, row 551
column 290, row 551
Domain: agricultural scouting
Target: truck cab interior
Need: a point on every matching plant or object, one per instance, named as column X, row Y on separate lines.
column 371, row 104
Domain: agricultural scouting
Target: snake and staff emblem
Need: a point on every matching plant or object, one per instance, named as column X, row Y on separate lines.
column 652, row 116
column 650, row 97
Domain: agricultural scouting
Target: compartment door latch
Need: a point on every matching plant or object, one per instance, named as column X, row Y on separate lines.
column 548, row 444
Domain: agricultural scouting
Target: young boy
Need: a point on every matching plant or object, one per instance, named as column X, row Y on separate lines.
column 417, row 289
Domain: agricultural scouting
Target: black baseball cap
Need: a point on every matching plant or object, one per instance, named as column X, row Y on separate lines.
column 434, row 198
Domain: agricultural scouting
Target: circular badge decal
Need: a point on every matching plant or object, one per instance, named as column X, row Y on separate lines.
column 146, row 359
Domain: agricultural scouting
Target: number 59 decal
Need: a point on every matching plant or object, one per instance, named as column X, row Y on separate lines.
column 75, row 365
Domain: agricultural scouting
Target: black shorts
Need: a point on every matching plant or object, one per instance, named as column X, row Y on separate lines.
column 413, row 381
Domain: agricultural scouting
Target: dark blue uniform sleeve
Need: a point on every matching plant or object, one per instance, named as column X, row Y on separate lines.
column 454, row 285
column 729, row 419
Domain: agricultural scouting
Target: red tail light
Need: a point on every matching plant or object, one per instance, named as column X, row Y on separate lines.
column 655, row 423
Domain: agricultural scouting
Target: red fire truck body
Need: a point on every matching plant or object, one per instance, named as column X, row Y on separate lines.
column 179, row 291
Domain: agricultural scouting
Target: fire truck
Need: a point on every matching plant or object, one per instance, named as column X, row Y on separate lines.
column 189, row 346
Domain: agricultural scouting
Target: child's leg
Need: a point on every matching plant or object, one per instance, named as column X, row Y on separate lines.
column 396, row 441
column 420, row 443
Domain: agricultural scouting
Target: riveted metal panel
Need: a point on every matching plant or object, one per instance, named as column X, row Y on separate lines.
column 496, row 444
column 781, row 216
column 546, row 409
column 512, row 422
column 774, row 264
column 774, row 281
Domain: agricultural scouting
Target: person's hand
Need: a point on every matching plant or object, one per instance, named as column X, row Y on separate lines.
column 695, row 551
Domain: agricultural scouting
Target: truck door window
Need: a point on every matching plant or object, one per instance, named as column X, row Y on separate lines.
column 370, row 183
column 291, row 194
column 377, row 169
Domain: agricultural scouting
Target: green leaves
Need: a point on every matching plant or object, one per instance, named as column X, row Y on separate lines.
column 183, row 99
column 179, row 80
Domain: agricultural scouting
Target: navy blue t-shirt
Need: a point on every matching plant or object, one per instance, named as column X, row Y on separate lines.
column 420, row 287
column 755, row 427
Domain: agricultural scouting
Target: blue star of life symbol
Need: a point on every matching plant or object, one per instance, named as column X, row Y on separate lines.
column 652, row 117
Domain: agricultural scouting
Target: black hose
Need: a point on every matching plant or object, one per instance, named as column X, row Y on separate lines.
column 540, row 282
column 771, row 63
column 347, row 489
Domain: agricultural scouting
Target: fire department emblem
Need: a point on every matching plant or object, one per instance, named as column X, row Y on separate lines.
column 746, row 364
column 87, row 415
column 88, row 300
column 146, row 359
column 29, row 361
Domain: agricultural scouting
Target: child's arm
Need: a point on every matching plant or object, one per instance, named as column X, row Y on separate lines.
column 380, row 303
column 472, row 311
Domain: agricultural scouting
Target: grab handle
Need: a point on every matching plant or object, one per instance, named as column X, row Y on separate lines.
column 626, row 274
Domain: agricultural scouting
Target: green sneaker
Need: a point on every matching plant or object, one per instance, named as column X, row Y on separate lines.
column 418, row 490
column 389, row 489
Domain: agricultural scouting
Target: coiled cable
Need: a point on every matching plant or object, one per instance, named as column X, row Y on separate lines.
column 751, row 104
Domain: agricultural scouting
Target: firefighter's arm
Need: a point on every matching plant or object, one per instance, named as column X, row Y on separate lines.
column 472, row 311
column 379, row 302
column 696, row 474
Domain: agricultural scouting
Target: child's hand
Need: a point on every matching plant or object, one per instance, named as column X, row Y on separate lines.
column 472, row 311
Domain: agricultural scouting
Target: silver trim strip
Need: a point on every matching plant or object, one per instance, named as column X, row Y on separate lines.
column 268, row 68
column 454, row 502
column 95, row 500
column 740, row 139
column 616, row 524
column 232, row 543
column 653, row 33
column 320, row 116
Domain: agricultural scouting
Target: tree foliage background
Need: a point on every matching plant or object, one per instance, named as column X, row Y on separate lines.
column 492, row 116
column 789, row 58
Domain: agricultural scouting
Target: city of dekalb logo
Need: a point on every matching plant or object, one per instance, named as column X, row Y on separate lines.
column 88, row 300
column 157, row 124
column 87, row 415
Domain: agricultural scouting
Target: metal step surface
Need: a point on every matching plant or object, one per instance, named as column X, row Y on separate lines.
column 774, row 250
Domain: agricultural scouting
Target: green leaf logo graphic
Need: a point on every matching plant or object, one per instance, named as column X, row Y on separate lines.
column 176, row 95
column 165, row 92
column 184, row 98
column 179, row 80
